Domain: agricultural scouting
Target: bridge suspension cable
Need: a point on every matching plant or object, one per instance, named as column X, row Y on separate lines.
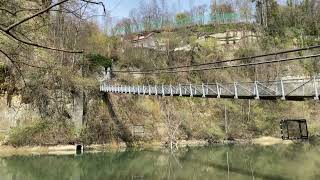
column 222, row 67
column 153, row 71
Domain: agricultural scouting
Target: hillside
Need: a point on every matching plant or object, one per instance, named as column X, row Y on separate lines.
column 210, row 119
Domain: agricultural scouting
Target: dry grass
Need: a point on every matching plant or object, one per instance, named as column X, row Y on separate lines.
column 268, row 141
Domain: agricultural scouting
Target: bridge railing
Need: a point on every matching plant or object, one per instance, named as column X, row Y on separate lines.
column 284, row 89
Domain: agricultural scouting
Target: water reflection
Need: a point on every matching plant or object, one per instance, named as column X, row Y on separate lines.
column 299, row 161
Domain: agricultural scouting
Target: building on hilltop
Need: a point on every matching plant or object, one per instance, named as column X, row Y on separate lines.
column 142, row 40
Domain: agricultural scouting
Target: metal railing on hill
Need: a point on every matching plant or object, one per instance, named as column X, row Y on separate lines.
column 293, row 89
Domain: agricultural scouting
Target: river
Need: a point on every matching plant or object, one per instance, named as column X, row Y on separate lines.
column 234, row 162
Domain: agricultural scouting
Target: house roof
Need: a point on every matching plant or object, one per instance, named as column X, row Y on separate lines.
column 138, row 37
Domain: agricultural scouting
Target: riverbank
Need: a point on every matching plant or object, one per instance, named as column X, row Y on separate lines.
column 116, row 147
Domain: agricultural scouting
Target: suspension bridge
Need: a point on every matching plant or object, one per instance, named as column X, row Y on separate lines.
column 297, row 89
column 291, row 89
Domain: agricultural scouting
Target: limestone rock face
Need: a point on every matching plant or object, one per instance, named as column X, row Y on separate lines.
column 21, row 114
column 18, row 114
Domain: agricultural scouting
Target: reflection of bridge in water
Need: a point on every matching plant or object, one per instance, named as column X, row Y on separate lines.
column 293, row 89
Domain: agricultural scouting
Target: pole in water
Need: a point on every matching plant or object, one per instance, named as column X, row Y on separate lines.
column 228, row 165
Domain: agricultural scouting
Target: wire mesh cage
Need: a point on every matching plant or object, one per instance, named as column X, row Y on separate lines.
column 294, row 129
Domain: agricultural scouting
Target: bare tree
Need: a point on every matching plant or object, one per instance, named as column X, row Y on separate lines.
column 150, row 13
column 124, row 26
column 146, row 15
column 264, row 9
column 245, row 9
column 164, row 12
column 135, row 19
column 173, row 124
column 198, row 14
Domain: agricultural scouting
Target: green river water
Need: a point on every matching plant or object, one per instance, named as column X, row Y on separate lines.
column 237, row 162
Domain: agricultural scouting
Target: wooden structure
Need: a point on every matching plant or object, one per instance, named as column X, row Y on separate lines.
column 294, row 129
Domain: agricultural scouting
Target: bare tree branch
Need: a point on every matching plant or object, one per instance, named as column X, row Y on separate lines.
column 34, row 15
column 38, row 45
column 17, row 11
column 98, row 3
column 8, row 29
column 21, row 62
column 8, row 11
column 15, row 65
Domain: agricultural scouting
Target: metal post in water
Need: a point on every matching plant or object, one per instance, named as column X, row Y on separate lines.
column 228, row 165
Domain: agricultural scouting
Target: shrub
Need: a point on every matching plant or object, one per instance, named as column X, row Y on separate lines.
column 97, row 60
column 42, row 132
